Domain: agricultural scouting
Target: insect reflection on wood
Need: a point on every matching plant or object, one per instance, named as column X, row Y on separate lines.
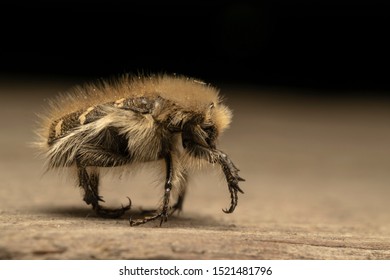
column 134, row 120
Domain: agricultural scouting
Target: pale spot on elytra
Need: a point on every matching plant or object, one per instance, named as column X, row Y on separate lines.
column 119, row 103
column 58, row 128
column 83, row 116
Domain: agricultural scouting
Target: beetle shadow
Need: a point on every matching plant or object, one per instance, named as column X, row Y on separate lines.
column 177, row 220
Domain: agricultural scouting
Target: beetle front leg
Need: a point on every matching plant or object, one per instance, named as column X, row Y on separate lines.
column 232, row 178
column 229, row 169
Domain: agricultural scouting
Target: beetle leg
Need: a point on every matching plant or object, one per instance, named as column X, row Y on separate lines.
column 90, row 184
column 229, row 169
column 163, row 213
column 232, row 178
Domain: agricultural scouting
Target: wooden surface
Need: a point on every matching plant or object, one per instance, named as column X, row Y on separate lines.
column 318, row 187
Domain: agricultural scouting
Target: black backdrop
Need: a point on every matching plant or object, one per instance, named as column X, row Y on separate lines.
column 316, row 44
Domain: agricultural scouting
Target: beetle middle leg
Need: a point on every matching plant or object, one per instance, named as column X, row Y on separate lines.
column 163, row 212
column 178, row 206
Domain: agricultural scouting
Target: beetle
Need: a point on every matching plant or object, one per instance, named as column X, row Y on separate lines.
column 137, row 119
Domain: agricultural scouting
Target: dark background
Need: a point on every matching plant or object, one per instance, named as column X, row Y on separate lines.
column 305, row 44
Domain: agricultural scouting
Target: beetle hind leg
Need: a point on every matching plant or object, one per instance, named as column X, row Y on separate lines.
column 90, row 185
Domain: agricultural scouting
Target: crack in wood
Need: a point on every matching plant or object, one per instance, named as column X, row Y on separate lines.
column 335, row 246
